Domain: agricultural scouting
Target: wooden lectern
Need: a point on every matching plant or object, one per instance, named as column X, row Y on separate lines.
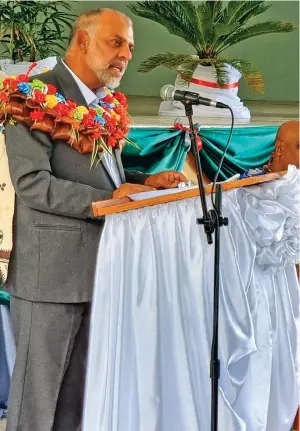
column 112, row 206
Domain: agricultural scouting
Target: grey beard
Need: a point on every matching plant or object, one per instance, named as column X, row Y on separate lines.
column 107, row 79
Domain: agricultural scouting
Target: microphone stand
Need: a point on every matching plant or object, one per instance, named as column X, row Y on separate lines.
column 212, row 220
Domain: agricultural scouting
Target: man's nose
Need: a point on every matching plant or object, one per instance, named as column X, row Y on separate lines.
column 125, row 52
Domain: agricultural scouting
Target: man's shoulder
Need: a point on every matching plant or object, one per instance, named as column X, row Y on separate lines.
column 59, row 76
column 46, row 77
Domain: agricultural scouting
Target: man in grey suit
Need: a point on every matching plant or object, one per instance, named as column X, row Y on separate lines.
column 52, row 267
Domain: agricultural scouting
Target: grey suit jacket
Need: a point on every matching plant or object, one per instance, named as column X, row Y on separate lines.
column 55, row 237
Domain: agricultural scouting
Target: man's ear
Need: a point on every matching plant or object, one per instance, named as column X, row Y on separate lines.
column 83, row 40
column 279, row 146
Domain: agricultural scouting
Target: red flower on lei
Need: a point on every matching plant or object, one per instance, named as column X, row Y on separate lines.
column 22, row 78
column 4, row 97
column 121, row 98
column 62, row 109
column 88, row 120
column 108, row 99
column 37, row 115
column 10, row 83
column 51, row 89
column 39, row 97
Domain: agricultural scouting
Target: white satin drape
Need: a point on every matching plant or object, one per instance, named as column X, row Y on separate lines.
column 152, row 316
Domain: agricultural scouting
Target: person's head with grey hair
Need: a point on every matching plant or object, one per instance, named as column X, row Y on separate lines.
column 100, row 47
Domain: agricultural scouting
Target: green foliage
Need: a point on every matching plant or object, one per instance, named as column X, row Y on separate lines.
column 31, row 30
column 210, row 28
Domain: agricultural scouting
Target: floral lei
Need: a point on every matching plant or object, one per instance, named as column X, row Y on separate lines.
column 40, row 107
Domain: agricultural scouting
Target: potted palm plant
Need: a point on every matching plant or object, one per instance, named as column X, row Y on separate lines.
column 210, row 27
column 32, row 30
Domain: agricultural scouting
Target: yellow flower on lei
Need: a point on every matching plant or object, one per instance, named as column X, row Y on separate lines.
column 108, row 92
column 81, row 110
column 114, row 115
column 51, row 101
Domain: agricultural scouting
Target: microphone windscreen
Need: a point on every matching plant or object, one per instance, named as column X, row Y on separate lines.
column 167, row 92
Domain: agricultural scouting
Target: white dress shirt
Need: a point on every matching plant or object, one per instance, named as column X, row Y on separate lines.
column 92, row 99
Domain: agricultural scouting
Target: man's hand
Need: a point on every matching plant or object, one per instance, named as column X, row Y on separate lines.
column 165, row 180
column 130, row 189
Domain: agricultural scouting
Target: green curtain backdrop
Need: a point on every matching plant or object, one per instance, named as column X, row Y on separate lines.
column 162, row 149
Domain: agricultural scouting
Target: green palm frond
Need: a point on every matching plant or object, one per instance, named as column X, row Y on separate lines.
column 261, row 28
column 204, row 18
column 195, row 22
column 188, row 10
column 233, row 17
column 210, row 28
column 252, row 76
column 186, row 65
column 217, row 8
column 172, row 15
column 239, row 12
column 171, row 61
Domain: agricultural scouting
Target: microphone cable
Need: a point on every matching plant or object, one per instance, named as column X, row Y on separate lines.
column 222, row 160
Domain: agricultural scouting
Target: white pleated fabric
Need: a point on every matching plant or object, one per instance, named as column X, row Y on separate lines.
column 151, row 329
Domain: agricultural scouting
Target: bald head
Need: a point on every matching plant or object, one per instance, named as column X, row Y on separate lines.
column 288, row 132
column 90, row 19
column 286, row 147
column 101, row 46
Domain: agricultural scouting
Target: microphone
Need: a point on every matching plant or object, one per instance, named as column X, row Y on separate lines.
column 168, row 92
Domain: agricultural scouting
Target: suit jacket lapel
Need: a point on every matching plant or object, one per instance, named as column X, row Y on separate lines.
column 71, row 91
column 68, row 85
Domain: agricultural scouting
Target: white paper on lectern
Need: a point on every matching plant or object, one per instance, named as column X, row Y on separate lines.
column 157, row 193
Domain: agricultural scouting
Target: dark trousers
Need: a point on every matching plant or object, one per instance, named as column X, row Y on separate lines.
column 47, row 388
